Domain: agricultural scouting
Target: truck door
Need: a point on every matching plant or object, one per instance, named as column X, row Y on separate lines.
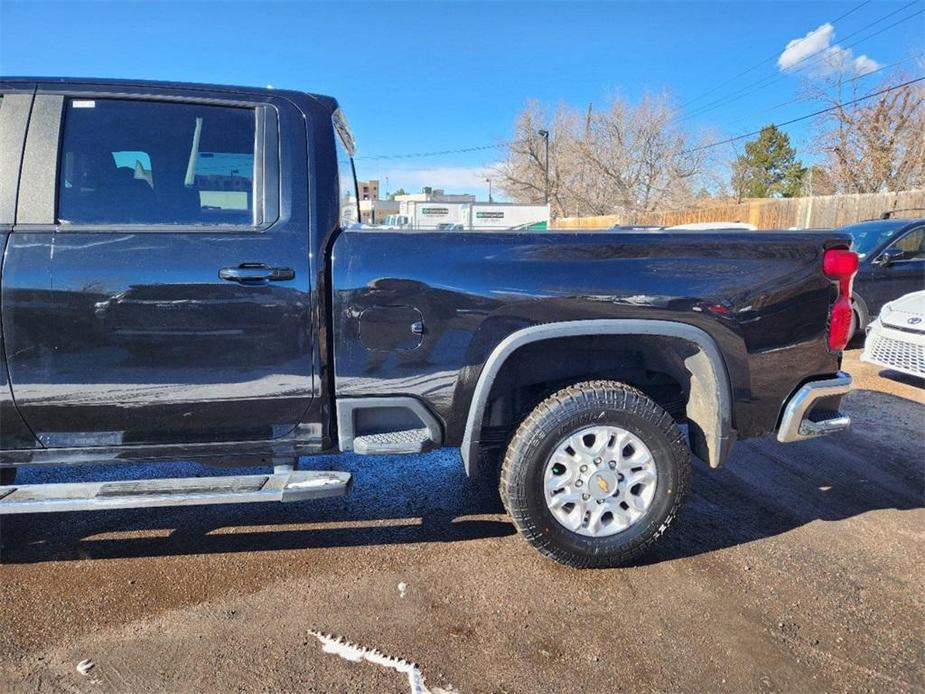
column 156, row 284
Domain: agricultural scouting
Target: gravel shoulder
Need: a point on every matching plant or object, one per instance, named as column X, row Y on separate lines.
column 793, row 568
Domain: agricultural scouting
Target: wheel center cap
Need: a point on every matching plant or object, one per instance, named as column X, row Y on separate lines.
column 602, row 484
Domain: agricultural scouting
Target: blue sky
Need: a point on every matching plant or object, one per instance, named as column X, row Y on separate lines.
column 419, row 77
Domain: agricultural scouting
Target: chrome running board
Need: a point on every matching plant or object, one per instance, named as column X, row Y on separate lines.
column 191, row 491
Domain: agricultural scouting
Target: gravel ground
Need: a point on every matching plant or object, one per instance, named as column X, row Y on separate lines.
column 794, row 568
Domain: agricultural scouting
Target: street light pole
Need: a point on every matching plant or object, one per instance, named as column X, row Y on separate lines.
column 488, row 181
column 545, row 135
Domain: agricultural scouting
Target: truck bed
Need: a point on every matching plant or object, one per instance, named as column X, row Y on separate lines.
column 760, row 295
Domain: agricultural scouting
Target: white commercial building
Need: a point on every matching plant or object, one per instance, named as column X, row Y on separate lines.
column 414, row 214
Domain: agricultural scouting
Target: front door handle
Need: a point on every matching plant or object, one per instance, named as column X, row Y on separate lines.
column 256, row 273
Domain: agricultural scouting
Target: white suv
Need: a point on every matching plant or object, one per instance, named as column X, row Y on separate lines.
column 896, row 339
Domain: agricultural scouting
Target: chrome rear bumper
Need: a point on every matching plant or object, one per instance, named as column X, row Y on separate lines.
column 813, row 410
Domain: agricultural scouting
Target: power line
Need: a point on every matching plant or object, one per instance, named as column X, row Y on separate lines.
column 463, row 150
column 772, row 79
column 806, row 117
column 735, row 96
column 763, row 62
column 856, row 78
column 866, row 27
column 414, row 155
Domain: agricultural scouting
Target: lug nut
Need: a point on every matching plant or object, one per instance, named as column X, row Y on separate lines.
column 620, row 477
column 585, row 496
column 577, row 483
column 613, row 464
column 600, row 501
column 583, row 468
column 597, row 461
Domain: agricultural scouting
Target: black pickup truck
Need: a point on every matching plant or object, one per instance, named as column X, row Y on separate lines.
column 181, row 281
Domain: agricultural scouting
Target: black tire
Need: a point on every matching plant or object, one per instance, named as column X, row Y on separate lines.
column 7, row 476
column 853, row 328
column 563, row 414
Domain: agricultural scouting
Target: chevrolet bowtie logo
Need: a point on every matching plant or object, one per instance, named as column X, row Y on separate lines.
column 602, row 483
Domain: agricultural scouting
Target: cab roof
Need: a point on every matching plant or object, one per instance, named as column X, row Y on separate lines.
column 327, row 101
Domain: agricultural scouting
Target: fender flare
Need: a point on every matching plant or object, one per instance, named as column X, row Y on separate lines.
column 710, row 398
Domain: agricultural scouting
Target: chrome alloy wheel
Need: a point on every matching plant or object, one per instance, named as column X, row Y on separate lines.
column 600, row 481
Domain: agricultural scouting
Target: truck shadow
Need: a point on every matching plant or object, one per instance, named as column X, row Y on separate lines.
column 768, row 488
column 765, row 490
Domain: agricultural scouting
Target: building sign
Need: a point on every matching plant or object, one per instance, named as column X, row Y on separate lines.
column 435, row 211
column 489, row 215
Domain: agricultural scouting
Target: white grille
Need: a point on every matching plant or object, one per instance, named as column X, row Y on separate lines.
column 896, row 354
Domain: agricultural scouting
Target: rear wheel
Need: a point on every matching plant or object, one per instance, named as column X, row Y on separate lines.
column 853, row 328
column 595, row 474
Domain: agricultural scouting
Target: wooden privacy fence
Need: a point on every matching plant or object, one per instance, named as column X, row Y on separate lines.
column 770, row 213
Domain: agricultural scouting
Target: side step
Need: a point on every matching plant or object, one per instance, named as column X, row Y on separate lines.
column 386, row 426
column 191, row 491
column 393, row 442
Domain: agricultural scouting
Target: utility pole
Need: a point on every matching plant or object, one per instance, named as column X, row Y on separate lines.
column 545, row 135
column 488, row 181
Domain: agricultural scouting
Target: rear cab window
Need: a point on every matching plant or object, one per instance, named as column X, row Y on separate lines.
column 157, row 163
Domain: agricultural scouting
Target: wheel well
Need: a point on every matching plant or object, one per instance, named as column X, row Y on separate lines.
column 653, row 364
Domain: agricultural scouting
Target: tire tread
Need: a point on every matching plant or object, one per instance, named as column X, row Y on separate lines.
column 578, row 397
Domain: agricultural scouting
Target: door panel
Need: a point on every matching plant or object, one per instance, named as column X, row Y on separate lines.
column 122, row 330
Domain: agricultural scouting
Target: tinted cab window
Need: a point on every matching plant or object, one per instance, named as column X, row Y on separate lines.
column 146, row 162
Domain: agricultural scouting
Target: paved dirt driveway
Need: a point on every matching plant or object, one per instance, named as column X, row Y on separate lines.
column 795, row 568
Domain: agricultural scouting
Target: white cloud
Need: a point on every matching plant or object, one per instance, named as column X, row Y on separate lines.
column 862, row 65
column 799, row 49
column 819, row 55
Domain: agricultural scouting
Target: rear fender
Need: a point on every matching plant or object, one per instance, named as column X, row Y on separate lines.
column 709, row 407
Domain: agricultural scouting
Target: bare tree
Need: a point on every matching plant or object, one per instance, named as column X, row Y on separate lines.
column 876, row 145
column 624, row 158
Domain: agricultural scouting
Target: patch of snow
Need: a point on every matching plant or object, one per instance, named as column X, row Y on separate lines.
column 356, row 653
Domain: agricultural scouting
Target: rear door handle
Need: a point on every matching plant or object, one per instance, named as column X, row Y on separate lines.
column 256, row 273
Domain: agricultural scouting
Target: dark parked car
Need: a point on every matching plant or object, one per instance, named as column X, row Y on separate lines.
column 181, row 281
column 892, row 263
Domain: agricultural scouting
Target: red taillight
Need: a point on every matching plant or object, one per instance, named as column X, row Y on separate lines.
column 840, row 324
column 840, row 264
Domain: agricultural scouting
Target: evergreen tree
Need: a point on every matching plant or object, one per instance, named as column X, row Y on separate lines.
column 769, row 168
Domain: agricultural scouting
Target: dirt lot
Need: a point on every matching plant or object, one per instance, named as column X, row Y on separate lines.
column 795, row 568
